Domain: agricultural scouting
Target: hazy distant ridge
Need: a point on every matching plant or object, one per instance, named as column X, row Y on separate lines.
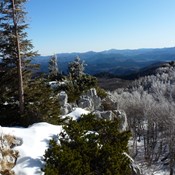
column 118, row 62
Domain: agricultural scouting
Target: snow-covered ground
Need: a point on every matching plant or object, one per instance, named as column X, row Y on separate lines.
column 35, row 142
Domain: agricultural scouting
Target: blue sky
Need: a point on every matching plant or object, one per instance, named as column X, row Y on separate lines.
column 57, row 26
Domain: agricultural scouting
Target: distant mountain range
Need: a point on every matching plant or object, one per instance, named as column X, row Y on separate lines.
column 116, row 62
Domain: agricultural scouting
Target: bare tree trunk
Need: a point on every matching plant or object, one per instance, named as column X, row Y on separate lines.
column 19, row 66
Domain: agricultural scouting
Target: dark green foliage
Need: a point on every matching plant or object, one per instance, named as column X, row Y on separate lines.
column 85, row 82
column 76, row 87
column 101, row 92
column 89, row 146
column 41, row 102
column 16, row 52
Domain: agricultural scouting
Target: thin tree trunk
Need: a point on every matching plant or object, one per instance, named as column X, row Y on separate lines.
column 19, row 65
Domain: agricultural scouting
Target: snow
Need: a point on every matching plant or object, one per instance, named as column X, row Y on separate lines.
column 35, row 142
column 76, row 113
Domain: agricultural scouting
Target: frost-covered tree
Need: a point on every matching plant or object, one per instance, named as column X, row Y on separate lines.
column 150, row 108
column 78, row 81
column 53, row 68
column 76, row 68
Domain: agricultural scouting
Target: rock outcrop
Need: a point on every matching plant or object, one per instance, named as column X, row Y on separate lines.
column 90, row 100
column 8, row 156
column 65, row 107
column 111, row 115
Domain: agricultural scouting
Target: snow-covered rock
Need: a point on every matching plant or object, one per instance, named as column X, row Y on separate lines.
column 32, row 143
column 76, row 113
column 63, row 98
column 86, row 102
column 121, row 115
column 110, row 115
column 90, row 100
column 65, row 107
column 8, row 156
column 53, row 84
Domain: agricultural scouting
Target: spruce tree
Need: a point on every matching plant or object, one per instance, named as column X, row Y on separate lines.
column 15, row 48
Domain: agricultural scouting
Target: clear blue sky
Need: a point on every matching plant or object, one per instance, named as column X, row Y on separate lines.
column 58, row 26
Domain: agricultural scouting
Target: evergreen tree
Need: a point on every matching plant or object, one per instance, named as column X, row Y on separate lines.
column 89, row 146
column 78, row 81
column 53, row 68
column 42, row 103
column 15, row 49
column 76, row 68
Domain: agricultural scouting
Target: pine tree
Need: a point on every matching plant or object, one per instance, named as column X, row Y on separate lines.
column 15, row 48
column 42, row 103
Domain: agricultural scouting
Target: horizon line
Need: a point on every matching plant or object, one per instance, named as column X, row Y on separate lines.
column 81, row 52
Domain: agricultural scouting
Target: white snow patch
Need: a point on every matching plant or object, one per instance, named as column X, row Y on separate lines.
column 35, row 142
column 76, row 113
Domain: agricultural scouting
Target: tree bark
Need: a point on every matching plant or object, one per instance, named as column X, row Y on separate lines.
column 19, row 64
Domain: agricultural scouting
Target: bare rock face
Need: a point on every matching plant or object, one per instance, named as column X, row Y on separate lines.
column 86, row 102
column 92, row 93
column 8, row 156
column 90, row 100
column 63, row 101
column 107, row 115
column 110, row 115
column 121, row 115
column 67, row 108
column 63, row 98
